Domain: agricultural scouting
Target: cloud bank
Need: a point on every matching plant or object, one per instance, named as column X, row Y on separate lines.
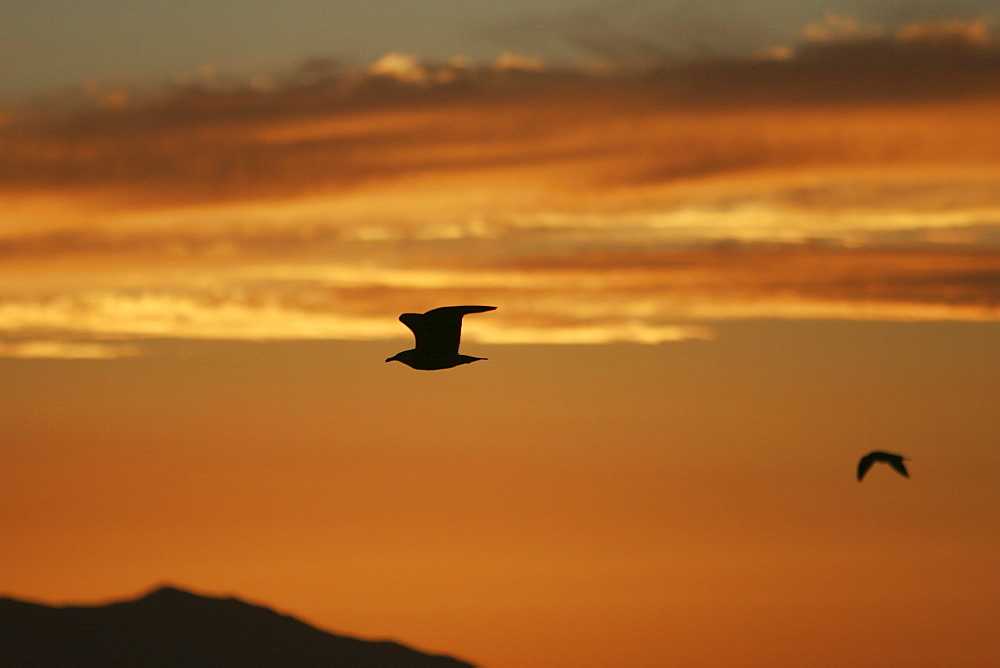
column 852, row 174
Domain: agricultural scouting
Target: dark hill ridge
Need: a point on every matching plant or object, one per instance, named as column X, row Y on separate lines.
column 172, row 627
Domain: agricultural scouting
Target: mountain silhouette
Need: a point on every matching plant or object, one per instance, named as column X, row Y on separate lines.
column 172, row 627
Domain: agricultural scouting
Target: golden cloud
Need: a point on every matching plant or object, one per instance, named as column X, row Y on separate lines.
column 56, row 349
column 840, row 102
column 626, row 205
column 550, row 294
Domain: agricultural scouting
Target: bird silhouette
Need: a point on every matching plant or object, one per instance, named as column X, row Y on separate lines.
column 895, row 461
column 437, row 333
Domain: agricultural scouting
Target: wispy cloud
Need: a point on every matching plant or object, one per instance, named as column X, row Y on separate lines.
column 623, row 33
column 553, row 294
column 56, row 349
column 853, row 177
column 401, row 118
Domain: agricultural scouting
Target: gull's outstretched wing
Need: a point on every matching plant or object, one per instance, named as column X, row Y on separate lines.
column 897, row 463
column 892, row 459
column 439, row 331
column 864, row 464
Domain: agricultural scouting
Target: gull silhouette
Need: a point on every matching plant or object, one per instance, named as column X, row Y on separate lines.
column 895, row 461
column 437, row 333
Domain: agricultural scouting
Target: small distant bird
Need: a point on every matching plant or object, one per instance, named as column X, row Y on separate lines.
column 437, row 333
column 895, row 461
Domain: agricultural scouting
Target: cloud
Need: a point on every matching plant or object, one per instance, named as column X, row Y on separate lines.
column 943, row 39
column 956, row 31
column 547, row 293
column 850, row 175
column 623, row 33
column 55, row 349
column 564, row 131
column 403, row 67
column 512, row 62
column 837, row 28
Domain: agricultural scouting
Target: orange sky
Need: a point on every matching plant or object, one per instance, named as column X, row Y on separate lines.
column 717, row 285
column 689, row 502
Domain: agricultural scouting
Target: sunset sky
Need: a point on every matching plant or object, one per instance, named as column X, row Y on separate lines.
column 732, row 246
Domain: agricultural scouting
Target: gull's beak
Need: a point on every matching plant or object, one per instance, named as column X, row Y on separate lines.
column 390, row 358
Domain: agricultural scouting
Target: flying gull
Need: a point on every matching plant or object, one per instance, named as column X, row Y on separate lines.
column 437, row 333
column 895, row 461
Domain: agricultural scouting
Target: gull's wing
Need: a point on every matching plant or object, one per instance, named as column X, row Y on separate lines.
column 864, row 464
column 897, row 463
column 439, row 331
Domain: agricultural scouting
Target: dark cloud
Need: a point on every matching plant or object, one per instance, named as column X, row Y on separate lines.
column 633, row 33
column 901, row 12
column 628, row 33
column 845, row 96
